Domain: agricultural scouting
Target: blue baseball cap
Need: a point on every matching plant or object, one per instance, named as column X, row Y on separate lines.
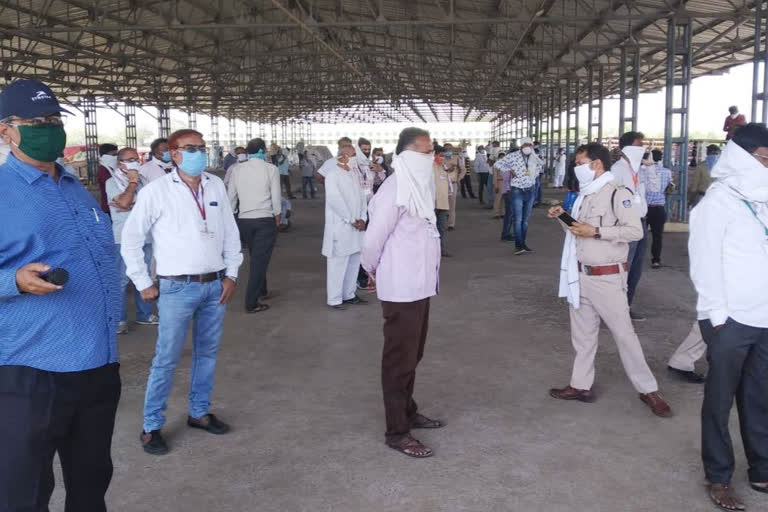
column 28, row 98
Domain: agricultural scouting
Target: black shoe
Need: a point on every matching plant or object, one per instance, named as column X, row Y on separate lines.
column 153, row 443
column 356, row 301
column 687, row 375
column 637, row 317
column 519, row 251
column 507, row 239
column 446, row 255
column 210, row 423
column 258, row 309
column 656, row 265
column 527, row 249
column 340, row 307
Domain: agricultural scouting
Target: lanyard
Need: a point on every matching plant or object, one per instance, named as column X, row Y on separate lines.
column 197, row 197
column 765, row 228
column 635, row 176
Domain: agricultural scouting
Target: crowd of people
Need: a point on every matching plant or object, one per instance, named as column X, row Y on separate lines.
column 177, row 232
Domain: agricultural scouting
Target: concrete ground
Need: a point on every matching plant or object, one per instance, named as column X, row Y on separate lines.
column 300, row 385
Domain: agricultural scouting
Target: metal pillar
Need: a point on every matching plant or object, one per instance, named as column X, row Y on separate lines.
column 545, row 134
column 595, row 106
column 557, row 120
column 91, row 138
column 572, row 91
column 214, row 157
column 630, row 69
column 192, row 119
column 232, row 131
column 676, row 115
column 248, row 130
column 130, row 124
column 164, row 121
column 759, row 80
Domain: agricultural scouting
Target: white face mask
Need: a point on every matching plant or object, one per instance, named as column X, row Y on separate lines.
column 242, row 157
column 527, row 151
column 584, row 174
column 132, row 166
column 109, row 161
column 379, row 160
column 734, row 116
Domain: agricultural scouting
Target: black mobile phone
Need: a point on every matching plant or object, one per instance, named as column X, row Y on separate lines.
column 567, row 219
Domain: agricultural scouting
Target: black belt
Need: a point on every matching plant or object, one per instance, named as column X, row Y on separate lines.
column 197, row 278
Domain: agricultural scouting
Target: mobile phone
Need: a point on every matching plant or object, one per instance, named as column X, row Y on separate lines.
column 57, row 276
column 567, row 219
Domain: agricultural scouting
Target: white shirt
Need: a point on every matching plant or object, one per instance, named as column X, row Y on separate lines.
column 624, row 175
column 117, row 215
column 560, row 167
column 154, row 169
column 255, row 184
column 183, row 243
column 327, row 166
column 344, row 204
column 481, row 163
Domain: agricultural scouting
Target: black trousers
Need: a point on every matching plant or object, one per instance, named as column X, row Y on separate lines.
column 482, row 178
column 738, row 367
column 71, row 413
column 285, row 182
column 405, row 333
column 466, row 187
column 442, row 226
column 657, row 216
column 260, row 235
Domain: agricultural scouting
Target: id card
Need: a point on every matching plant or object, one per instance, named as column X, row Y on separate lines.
column 638, row 200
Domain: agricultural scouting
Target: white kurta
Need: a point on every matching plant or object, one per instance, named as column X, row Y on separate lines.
column 344, row 204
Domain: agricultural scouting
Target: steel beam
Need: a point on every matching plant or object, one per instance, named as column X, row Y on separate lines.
column 760, row 64
column 629, row 89
column 164, row 121
column 595, row 105
column 88, row 106
column 130, row 124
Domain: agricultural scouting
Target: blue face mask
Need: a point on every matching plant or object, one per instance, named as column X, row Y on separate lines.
column 448, row 154
column 711, row 160
column 193, row 164
column 260, row 155
column 166, row 156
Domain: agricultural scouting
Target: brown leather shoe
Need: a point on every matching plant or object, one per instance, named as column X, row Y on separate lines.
column 569, row 393
column 658, row 405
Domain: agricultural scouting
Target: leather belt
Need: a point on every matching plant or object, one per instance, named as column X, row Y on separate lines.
column 197, row 278
column 603, row 270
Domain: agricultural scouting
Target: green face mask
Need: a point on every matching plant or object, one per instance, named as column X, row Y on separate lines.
column 43, row 143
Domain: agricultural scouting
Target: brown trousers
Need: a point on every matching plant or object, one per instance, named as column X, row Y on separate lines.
column 405, row 332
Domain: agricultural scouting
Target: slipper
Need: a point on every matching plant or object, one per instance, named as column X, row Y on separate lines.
column 421, row 421
column 759, row 486
column 725, row 492
column 408, row 445
column 258, row 309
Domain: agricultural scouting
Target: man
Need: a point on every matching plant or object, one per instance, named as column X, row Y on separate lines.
column 495, row 150
column 733, row 122
column 657, row 179
column 345, row 217
column 593, row 278
column 241, row 155
column 466, row 181
column 379, row 168
column 255, row 187
column 196, row 245
column 402, row 255
column 160, row 162
column 482, row 170
column 456, row 171
column 559, row 168
column 628, row 172
column 442, row 195
column 59, row 378
column 107, row 165
column 497, row 178
column 231, row 158
column 307, row 176
column 700, row 176
column 280, row 159
column 682, row 363
column 362, row 163
column 727, row 246
column 521, row 168
column 331, row 163
column 122, row 189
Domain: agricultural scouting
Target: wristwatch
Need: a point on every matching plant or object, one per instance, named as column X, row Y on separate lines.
column 597, row 235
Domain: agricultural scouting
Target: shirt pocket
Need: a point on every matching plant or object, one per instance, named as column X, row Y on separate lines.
column 597, row 216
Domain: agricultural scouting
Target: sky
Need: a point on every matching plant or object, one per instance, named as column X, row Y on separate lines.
column 710, row 98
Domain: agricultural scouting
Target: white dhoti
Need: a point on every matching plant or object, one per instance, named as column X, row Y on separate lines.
column 690, row 350
column 342, row 278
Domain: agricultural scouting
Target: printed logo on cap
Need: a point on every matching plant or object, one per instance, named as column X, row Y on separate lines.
column 41, row 95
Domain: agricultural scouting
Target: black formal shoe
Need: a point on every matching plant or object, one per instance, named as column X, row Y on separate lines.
column 210, row 423
column 527, row 249
column 356, row 301
column 153, row 443
column 258, row 309
column 637, row 317
column 340, row 307
column 519, row 251
column 686, row 375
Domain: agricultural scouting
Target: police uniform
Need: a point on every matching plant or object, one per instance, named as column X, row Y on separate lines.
column 454, row 166
column 603, row 287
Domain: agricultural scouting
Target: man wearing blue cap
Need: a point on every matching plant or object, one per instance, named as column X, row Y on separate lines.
column 59, row 379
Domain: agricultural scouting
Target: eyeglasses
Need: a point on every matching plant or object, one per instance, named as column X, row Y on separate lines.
column 190, row 148
column 128, row 160
column 55, row 120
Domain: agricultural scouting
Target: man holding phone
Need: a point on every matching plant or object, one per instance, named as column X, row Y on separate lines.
column 594, row 278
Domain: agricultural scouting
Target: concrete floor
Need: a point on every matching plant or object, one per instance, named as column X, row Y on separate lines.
column 300, row 385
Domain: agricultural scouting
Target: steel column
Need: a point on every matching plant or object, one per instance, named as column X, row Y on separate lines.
column 572, row 91
column 163, row 121
column 91, row 137
column 232, row 130
column 679, row 57
column 248, row 130
column 192, row 119
column 595, row 106
column 130, row 124
column 214, row 158
column 627, row 92
column 760, row 59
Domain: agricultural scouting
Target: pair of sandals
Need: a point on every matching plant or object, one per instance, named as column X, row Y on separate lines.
column 411, row 446
column 724, row 497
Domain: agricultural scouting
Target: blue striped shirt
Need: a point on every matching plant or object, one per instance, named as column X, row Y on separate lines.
column 59, row 224
column 656, row 186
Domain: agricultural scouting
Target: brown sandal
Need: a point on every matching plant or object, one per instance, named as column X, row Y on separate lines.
column 421, row 421
column 411, row 447
column 723, row 496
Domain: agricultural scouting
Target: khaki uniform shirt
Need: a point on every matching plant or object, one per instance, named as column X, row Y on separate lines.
column 442, row 187
column 455, row 168
column 618, row 226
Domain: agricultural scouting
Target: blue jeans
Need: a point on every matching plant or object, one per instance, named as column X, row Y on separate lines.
column 521, row 201
column 308, row 182
column 508, row 216
column 181, row 304
column 489, row 190
column 539, row 190
column 143, row 309
column 635, row 260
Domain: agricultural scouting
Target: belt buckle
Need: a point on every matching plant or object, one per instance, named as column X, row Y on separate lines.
column 587, row 270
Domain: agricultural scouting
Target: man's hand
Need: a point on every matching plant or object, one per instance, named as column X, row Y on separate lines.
column 496, row 190
column 227, row 290
column 360, row 225
column 582, row 230
column 555, row 212
column 150, row 294
column 118, row 208
column 277, row 220
column 371, row 281
column 28, row 280
column 133, row 176
column 376, row 167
